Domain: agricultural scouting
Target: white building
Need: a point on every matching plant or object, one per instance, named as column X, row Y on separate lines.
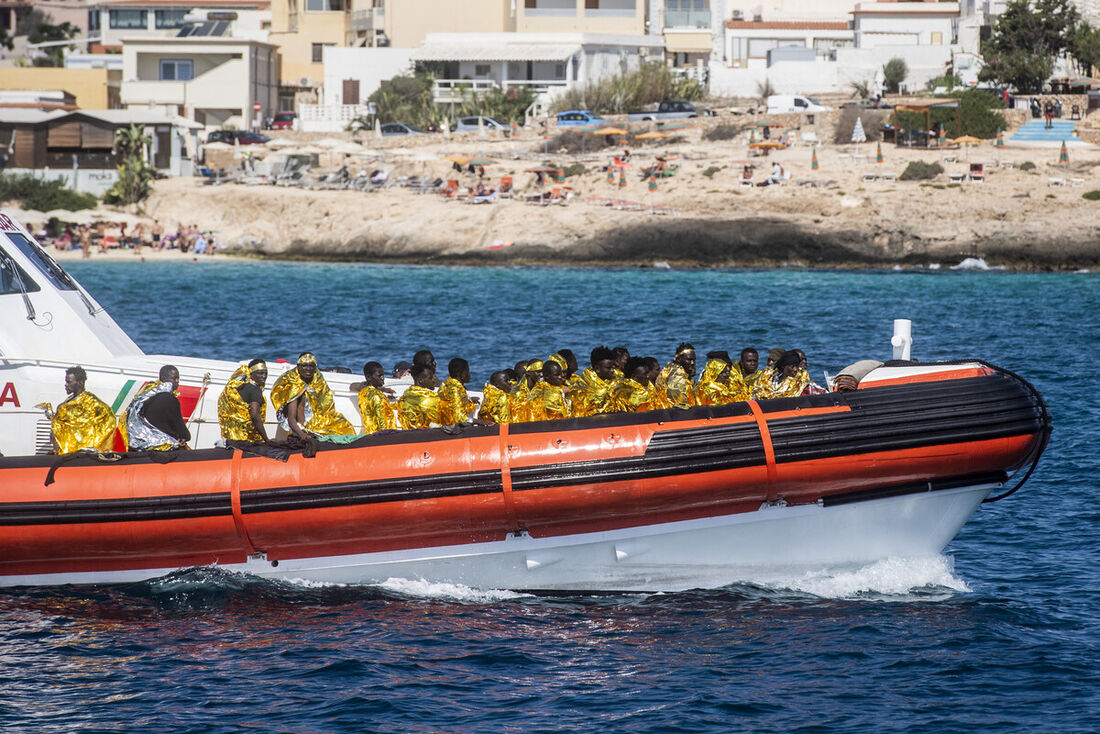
column 206, row 73
column 114, row 20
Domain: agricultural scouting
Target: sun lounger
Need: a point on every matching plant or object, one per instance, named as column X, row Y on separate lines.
column 950, row 158
column 745, row 183
column 1008, row 164
column 483, row 199
column 1077, row 182
column 890, row 177
column 956, row 178
column 868, row 177
column 1056, row 181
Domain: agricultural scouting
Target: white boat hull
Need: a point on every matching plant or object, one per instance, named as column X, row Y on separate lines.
column 713, row 552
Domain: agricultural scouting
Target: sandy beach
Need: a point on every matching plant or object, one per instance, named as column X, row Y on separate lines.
column 848, row 212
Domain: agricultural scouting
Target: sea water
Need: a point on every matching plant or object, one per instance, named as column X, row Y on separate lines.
column 998, row 634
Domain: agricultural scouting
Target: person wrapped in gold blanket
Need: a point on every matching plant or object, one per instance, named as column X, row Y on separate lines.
column 241, row 406
column 304, row 403
column 419, row 406
column 548, row 399
column 675, row 379
column 374, row 405
column 494, row 399
column 455, row 405
column 82, row 420
column 785, row 380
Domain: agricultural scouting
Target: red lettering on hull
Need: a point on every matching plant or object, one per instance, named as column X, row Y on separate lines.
column 8, row 395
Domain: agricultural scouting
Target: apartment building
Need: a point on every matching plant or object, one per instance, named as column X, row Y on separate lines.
column 114, row 20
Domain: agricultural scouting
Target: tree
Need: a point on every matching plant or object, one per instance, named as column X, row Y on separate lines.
column 1085, row 47
column 134, row 174
column 1027, row 38
column 38, row 27
column 894, row 72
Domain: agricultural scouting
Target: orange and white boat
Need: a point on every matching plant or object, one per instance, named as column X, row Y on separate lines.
column 662, row 500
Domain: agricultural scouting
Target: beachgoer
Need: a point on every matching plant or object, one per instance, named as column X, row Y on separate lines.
column 455, row 406
column 154, row 420
column 82, row 421
column 157, row 233
column 241, row 406
column 675, row 378
column 304, row 403
column 746, row 174
column 494, row 399
column 374, row 405
column 1048, row 114
column 419, row 406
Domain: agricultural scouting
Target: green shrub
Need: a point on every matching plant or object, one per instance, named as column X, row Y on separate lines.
column 649, row 83
column 1027, row 166
column 572, row 142
column 1093, row 195
column 977, row 116
column 920, row 171
column 43, row 195
column 574, row 169
column 711, row 171
column 723, row 132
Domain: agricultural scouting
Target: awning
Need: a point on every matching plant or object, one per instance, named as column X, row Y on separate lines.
column 690, row 42
column 494, row 52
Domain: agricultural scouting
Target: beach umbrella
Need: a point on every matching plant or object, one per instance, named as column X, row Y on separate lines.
column 652, row 183
column 767, row 145
column 611, row 173
column 377, row 128
column 858, row 136
column 674, row 126
column 878, row 153
column 456, row 158
column 1063, row 154
column 1000, row 139
column 480, row 126
column 943, row 138
column 610, row 131
column 559, row 175
column 622, row 179
column 813, row 161
column 654, row 135
column 482, row 162
column 966, row 141
column 280, row 143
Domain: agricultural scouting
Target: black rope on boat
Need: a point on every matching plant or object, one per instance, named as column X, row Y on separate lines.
column 1046, row 423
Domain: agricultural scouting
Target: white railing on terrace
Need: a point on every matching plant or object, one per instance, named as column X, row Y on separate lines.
column 456, row 90
column 687, row 19
column 331, row 112
column 363, row 20
column 550, row 12
column 610, row 12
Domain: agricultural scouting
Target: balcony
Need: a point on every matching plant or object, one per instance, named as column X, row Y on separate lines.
column 687, row 19
column 153, row 92
column 610, row 12
column 366, row 20
column 457, row 90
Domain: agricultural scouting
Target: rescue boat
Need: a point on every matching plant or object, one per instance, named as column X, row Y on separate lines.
column 661, row 500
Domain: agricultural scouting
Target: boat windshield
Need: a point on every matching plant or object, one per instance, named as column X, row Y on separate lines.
column 13, row 279
column 45, row 264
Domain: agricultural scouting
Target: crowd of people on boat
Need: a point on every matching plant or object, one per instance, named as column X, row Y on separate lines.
column 531, row 390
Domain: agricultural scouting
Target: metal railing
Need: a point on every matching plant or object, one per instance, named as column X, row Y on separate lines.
column 687, row 19
column 456, row 90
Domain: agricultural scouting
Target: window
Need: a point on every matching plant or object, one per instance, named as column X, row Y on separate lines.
column 177, row 70
column 937, row 38
column 124, row 19
column 481, row 70
column 168, row 18
column 93, row 20
column 45, row 264
column 318, row 51
column 325, row 6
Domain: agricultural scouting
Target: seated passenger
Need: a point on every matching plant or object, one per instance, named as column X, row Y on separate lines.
column 785, row 380
column 374, row 405
column 425, row 357
column 622, row 354
column 632, row 392
column 419, row 406
column 154, row 421
column 549, row 398
column 592, row 394
column 241, row 406
column 82, row 420
column 304, row 403
column 519, row 407
column 748, row 366
column 494, row 401
column 675, row 378
column 812, row 388
column 455, row 405
column 714, row 386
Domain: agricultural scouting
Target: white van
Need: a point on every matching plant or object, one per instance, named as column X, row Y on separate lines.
column 783, row 103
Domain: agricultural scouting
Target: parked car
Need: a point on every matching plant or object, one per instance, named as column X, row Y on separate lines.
column 673, row 109
column 283, row 121
column 579, row 118
column 779, row 104
column 399, row 128
column 244, row 137
column 866, row 104
column 469, row 124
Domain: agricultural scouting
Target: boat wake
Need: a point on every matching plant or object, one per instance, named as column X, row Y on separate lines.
column 891, row 579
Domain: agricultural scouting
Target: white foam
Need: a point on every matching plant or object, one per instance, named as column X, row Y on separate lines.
column 891, row 579
column 446, row 591
column 974, row 263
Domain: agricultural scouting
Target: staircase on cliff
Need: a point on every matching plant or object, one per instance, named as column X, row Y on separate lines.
column 1035, row 132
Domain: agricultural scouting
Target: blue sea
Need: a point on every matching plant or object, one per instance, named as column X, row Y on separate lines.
column 1001, row 633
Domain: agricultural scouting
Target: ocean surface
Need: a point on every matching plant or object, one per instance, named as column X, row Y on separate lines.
column 1001, row 633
